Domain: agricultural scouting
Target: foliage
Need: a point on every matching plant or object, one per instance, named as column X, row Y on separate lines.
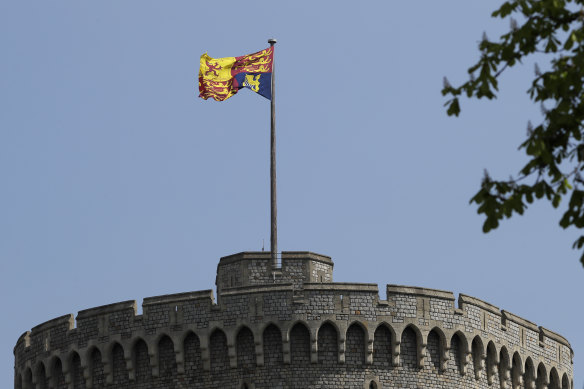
column 553, row 30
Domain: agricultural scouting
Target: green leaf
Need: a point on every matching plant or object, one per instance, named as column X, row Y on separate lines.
column 555, row 148
column 578, row 243
column 453, row 108
column 570, row 41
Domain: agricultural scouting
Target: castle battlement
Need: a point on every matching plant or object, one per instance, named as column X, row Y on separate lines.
column 292, row 327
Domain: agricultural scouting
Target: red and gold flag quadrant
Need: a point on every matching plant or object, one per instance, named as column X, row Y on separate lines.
column 221, row 78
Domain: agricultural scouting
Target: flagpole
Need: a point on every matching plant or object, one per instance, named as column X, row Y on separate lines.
column 274, row 224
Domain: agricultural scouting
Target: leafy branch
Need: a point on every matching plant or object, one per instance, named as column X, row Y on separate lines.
column 554, row 29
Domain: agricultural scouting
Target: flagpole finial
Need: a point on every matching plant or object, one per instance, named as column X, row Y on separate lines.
column 272, row 41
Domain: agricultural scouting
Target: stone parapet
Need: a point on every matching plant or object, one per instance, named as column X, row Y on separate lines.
column 294, row 335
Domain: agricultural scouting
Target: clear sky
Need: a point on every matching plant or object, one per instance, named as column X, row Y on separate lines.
column 118, row 183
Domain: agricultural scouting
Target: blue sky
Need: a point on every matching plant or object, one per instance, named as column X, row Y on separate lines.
column 119, row 183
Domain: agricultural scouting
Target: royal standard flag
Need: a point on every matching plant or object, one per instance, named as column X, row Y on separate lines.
column 221, row 78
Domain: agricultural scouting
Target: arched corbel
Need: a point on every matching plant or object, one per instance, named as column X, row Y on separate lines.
column 342, row 347
column 395, row 353
column 369, row 347
column 34, row 379
column 86, row 368
column 205, row 352
column 342, row 341
column 313, row 346
column 490, row 376
column 231, row 352
column 153, row 355
column 422, row 349
column 108, row 373
column 39, row 376
column 519, row 380
column 128, row 351
column 24, row 379
column 106, row 359
column 466, row 354
column 18, row 379
column 481, row 365
column 369, row 336
column 49, row 367
column 546, row 382
column 286, row 345
column 465, row 360
column 25, row 383
column 445, row 357
column 492, row 370
column 66, row 366
column 179, row 353
column 505, row 372
column 529, row 381
column 258, row 340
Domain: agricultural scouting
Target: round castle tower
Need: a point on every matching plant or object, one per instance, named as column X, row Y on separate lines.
column 293, row 327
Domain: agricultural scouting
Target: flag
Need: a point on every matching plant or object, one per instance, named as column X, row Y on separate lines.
column 221, row 78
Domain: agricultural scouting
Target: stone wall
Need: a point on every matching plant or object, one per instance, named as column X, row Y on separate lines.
column 254, row 268
column 280, row 335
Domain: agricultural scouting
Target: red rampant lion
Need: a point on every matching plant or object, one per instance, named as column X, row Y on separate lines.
column 213, row 68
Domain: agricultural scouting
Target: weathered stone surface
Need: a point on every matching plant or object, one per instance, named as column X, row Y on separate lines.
column 293, row 328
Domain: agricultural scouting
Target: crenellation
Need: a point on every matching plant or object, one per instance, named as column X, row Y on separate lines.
column 254, row 268
column 318, row 304
column 65, row 322
column 258, row 272
column 406, row 306
column 464, row 300
column 321, row 272
column 474, row 318
column 532, row 341
column 22, row 344
column 520, row 321
column 545, row 333
column 512, row 334
column 277, row 305
column 154, row 316
column 292, row 329
column 128, row 306
column 440, row 309
column 296, row 271
column 51, row 336
column 121, row 321
column 363, row 305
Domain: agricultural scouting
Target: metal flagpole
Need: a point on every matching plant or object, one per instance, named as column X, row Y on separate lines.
column 274, row 224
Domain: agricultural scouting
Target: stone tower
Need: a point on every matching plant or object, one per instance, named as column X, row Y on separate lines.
column 293, row 327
